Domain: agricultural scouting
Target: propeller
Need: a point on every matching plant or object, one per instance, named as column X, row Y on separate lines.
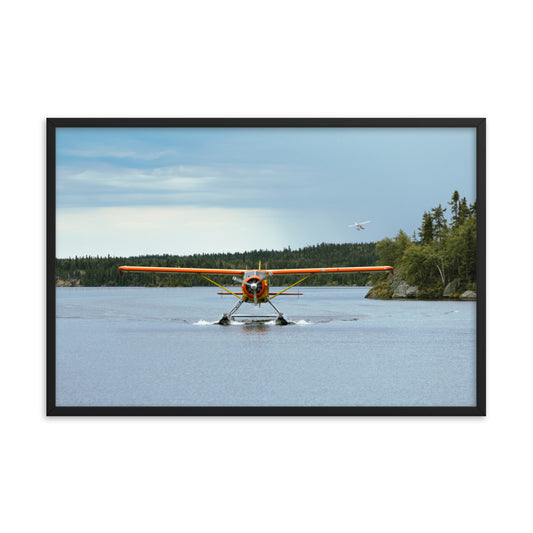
column 255, row 286
column 254, row 289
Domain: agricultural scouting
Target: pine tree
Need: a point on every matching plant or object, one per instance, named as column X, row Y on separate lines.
column 455, row 207
column 439, row 223
column 426, row 231
column 464, row 212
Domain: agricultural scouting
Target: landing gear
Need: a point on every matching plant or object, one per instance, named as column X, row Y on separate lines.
column 281, row 320
column 224, row 321
column 227, row 318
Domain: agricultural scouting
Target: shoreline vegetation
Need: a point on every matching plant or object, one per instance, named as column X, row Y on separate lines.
column 437, row 263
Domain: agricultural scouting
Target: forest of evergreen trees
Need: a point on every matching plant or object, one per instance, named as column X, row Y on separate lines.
column 442, row 251
column 103, row 271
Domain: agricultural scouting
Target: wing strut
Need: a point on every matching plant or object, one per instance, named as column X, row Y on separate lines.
column 290, row 286
column 221, row 286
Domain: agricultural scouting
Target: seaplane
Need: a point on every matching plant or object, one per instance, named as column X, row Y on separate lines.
column 254, row 285
column 359, row 225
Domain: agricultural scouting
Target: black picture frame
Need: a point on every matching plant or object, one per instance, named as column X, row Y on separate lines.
column 480, row 127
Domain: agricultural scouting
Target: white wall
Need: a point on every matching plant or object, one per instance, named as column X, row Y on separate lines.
column 345, row 59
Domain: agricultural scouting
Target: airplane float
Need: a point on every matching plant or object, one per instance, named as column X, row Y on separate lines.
column 359, row 225
column 254, row 284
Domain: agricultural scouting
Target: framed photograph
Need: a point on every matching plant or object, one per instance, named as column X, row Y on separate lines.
column 266, row 266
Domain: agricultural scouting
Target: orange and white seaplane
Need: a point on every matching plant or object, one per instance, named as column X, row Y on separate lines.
column 254, row 284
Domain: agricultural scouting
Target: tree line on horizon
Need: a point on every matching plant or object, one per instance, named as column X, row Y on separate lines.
column 103, row 271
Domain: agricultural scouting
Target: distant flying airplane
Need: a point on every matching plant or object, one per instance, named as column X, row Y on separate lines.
column 359, row 225
column 254, row 284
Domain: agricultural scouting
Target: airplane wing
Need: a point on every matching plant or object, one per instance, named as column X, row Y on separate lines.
column 123, row 269
column 330, row 270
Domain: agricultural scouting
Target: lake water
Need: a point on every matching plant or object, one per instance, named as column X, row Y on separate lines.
column 161, row 347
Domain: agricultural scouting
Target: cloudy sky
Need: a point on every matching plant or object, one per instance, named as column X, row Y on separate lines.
column 135, row 191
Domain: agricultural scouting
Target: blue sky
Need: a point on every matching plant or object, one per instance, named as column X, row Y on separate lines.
column 134, row 191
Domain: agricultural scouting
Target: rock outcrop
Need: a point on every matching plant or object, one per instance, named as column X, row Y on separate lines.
column 67, row 283
column 393, row 286
column 468, row 295
column 403, row 290
column 451, row 289
column 396, row 287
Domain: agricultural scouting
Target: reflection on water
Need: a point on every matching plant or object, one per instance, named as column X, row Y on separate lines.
column 256, row 328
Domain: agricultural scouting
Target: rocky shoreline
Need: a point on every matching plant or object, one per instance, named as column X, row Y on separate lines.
column 395, row 287
column 68, row 283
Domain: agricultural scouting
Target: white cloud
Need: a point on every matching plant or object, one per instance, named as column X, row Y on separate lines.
column 98, row 153
column 123, row 231
column 108, row 185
